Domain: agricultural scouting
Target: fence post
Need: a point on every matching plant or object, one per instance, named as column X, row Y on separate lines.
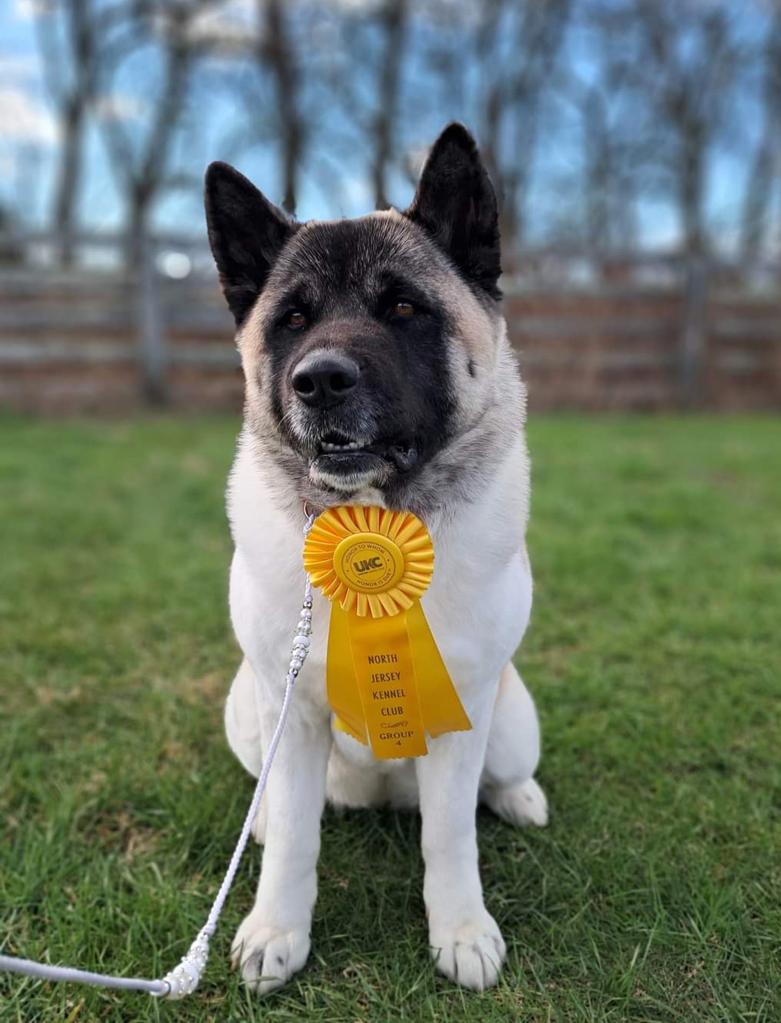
column 694, row 334
column 151, row 330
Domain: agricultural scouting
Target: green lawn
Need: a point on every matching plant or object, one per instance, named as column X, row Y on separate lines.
column 654, row 895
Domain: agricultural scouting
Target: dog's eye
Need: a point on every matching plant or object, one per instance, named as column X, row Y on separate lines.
column 403, row 309
column 295, row 320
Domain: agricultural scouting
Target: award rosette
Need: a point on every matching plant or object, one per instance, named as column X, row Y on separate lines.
column 387, row 683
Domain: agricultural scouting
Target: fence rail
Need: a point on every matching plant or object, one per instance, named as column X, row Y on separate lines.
column 100, row 338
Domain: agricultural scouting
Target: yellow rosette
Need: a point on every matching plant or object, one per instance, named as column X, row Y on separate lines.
column 387, row 682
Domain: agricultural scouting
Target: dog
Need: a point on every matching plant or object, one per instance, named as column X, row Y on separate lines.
column 378, row 372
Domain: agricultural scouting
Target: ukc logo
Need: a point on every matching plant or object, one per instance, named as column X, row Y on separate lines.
column 368, row 562
column 367, row 565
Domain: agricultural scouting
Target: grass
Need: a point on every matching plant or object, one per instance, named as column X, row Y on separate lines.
column 655, row 895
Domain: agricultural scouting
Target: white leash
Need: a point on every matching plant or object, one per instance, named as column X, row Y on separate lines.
column 184, row 978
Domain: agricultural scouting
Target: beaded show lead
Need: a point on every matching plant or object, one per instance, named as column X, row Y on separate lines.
column 184, row 978
column 373, row 564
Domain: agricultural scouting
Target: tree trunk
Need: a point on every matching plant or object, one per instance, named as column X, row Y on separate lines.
column 598, row 175
column 759, row 187
column 68, row 176
column 691, row 188
column 757, row 201
column 143, row 279
column 276, row 48
column 393, row 20
column 71, row 91
column 139, row 205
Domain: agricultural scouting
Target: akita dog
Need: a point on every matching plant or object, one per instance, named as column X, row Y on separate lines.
column 378, row 372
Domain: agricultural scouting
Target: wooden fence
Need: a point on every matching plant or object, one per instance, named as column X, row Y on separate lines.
column 101, row 340
column 629, row 348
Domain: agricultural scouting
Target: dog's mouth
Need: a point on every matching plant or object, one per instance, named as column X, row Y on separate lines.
column 339, row 453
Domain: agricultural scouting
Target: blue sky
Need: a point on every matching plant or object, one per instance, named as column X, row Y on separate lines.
column 28, row 141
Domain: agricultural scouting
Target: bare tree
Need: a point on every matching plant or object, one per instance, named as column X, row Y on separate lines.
column 66, row 32
column 765, row 168
column 599, row 171
column 687, row 63
column 140, row 156
column 275, row 51
column 516, row 47
column 394, row 23
column 611, row 131
column 336, row 72
column 486, row 45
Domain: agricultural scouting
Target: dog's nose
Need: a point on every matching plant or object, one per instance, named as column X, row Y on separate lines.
column 323, row 378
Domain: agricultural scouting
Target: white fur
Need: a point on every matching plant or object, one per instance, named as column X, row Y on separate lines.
column 478, row 607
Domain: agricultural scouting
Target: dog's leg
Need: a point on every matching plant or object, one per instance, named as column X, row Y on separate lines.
column 464, row 937
column 356, row 778
column 242, row 727
column 508, row 786
column 353, row 778
column 272, row 942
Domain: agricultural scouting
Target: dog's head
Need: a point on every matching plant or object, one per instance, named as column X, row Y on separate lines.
column 368, row 345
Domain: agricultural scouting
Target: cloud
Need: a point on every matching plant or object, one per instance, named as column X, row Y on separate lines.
column 27, row 9
column 23, row 120
column 18, row 67
column 358, row 6
column 120, row 107
column 232, row 22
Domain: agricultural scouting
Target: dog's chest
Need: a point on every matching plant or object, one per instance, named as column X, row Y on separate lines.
column 478, row 603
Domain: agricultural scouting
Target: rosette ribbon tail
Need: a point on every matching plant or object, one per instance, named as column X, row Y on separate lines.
column 386, row 681
column 440, row 705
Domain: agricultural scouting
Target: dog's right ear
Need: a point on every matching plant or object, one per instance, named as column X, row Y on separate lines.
column 246, row 234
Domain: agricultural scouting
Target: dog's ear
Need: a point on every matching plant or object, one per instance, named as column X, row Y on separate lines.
column 246, row 234
column 456, row 203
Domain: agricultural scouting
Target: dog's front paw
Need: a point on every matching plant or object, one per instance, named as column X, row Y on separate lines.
column 268, row 956
column 470, row 953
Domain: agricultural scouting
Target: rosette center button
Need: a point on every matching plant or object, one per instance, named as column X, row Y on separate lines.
column 368, row 562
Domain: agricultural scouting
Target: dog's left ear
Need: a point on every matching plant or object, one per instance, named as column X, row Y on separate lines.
column 456, row 204
column 246, row 234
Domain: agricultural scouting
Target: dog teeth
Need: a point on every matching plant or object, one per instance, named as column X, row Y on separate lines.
column 353, row 445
